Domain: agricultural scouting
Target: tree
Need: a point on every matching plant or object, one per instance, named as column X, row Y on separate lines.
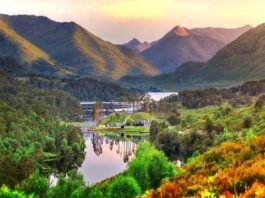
column 209, row 125
column 247, row 121
column 169, row 142
column 97, row 112
column 138, row 170
column 5, row 192
column 36, row 184
column 159, row 168
column 68, row 187
column 155, row 128
column 174, row 119
column 124, row 187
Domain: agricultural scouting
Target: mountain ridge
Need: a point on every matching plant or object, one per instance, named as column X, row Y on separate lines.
column 240, row 61
column 72, row 46
column 182, row 45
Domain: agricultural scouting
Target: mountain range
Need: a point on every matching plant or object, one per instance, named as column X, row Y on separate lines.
column 183, row 58
column 42, row 44
column 182, row 45
column 240, row 61
column 138, row 46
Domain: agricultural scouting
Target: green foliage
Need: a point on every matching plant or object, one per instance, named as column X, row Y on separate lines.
column 81, row 88
column 155, row 128
column 94, row 192
column 5, row 192
column 225, row 136
column 150, row 166
column 174, row 119
column 59, row 104
column 194, row 158
column 138, row 169
column 169, row 142
column 68, row 187
column 128, row 119
column 114, row 118
column 158, row 169
column 36, row 184
column 124, row 187
column 31, row 137
column 247, row 121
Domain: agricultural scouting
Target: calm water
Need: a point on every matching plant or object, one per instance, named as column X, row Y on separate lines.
column 159, row 95
column 105, row 157
column 129, row 107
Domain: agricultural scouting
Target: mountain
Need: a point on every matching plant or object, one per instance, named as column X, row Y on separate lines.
column 24, row 52
column 11, row 66
column 240, row 61
column 73, row 46
column 137, row 46
column 182, row 45
column 222, row 34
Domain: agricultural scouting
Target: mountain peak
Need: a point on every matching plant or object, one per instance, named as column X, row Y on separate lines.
column 179, row 31
column 134, row 41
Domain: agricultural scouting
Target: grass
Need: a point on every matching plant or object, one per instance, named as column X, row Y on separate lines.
column 76, row 124
column 120, row 117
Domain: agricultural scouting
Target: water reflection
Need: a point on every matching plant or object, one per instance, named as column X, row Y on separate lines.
column 124, row 148
column 105, row 156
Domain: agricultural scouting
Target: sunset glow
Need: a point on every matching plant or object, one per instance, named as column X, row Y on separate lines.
column 120, row 20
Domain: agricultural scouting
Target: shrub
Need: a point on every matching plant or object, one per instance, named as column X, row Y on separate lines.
column 124, row 187
column 36, row 184
column 247, row 121
column 5, row 192
column 225, row 136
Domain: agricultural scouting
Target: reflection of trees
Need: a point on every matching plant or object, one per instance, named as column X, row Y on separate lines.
column 97, row 142
column 111, row 144
column 125, row 149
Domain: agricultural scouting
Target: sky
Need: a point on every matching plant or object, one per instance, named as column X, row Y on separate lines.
column 118, row 21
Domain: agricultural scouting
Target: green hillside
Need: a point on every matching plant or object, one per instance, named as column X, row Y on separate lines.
column 71, row 45
column 241, row 60
column 84, row 89
column 31, row 58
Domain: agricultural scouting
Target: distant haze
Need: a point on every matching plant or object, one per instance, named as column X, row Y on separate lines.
column 119, row 21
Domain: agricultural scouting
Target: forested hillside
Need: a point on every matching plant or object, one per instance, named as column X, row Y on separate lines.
column 31, row 136
column 85, row 89
column 58, row 103
column 222, row 147
column 245, row 94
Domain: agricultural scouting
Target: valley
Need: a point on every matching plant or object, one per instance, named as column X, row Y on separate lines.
column 175, row 115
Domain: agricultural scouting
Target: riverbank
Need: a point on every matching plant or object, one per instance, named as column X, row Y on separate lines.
column 127, row 130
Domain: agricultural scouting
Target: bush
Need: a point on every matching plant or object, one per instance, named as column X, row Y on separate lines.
column 68, row 187
column 158, row 169
column 138, row 170
column 225, row 136
column 174, row 118
column 124, row 187
column 5, row 192
column 150, row 166
column 247, row 121
column 36, row 184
